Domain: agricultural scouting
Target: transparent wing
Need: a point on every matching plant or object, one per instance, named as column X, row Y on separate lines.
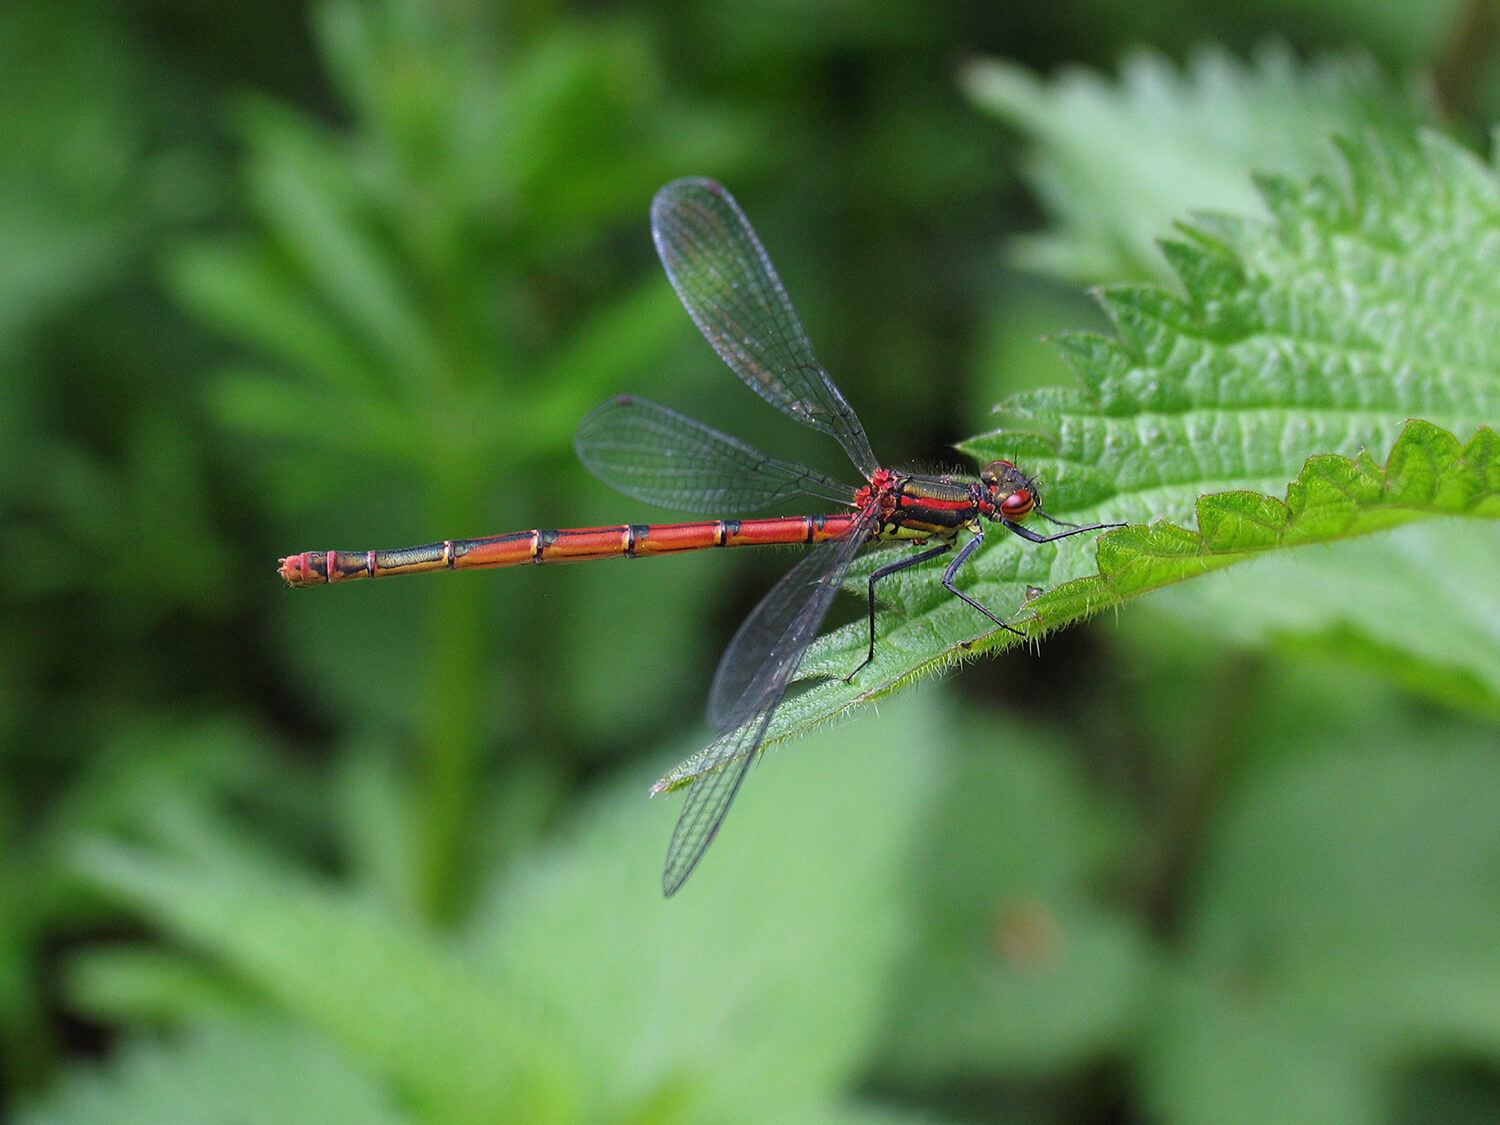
column 752, row 678
column 662, row 457
column 708, row 801
column 729, row 287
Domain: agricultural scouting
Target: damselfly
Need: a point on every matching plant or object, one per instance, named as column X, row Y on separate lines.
column 730, row 289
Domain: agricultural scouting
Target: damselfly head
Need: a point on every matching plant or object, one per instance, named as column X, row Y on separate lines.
column 1012, row 492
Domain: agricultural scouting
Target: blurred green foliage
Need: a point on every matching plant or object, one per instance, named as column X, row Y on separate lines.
column 275, row 279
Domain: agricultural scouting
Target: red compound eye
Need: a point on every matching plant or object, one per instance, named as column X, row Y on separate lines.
column 1018, row 505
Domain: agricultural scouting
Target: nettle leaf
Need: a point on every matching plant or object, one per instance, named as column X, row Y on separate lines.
column 456, row 1041
column 1298, row 351
column 251, row 1072
column 1341, row 923
column 1427, row 474
column 517, row 1014
column 1115, row 162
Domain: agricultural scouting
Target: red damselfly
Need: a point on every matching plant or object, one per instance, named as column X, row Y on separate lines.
column 730, row 289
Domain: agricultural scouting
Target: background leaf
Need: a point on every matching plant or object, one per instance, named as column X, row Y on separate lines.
column 282, row 277
column 1337, row 963
column 255, row 1073
column 1118, row 162
column 519, row 1014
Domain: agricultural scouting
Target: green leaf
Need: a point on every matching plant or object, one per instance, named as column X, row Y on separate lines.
column 1416, row 605
column 519, row 1016
column 715, row 983
column 1426, row 475
column 390, row 994
column 1300, row 345
column 300, row 183
column 1019, row 963
column 72, row 208
column 251, row 294
column 254, row 1073
column 1342, row 923
column 1117, row 163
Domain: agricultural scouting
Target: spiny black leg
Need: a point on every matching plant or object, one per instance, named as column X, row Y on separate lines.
column 958, row 560
column 951, row 572
column 1031, row 536
column 888, row 569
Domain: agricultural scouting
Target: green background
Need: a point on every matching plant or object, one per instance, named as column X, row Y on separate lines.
column 277, row 278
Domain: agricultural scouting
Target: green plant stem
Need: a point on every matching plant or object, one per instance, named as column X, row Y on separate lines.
column 1191, row 807
column 450, row 742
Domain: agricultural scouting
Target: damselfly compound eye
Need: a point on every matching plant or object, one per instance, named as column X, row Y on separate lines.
column 1018, row 505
